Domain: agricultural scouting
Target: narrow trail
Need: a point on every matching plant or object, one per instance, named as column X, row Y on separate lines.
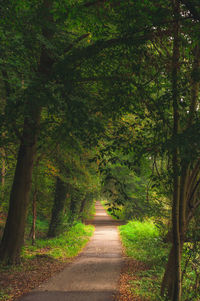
column 94, row 275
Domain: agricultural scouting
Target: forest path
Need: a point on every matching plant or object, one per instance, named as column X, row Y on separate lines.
column 94, row 275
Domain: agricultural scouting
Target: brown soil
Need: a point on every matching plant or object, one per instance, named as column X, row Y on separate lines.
column 128, row 276
column 28, row 275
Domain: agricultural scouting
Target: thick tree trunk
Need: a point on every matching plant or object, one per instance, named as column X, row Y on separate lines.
column 168, row 278
column 13, row 236
column 58, row 208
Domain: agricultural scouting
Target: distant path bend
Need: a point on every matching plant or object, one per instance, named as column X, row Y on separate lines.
column 94, row 275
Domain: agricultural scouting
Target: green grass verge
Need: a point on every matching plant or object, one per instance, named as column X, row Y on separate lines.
column 142, row 242
column 66, row 245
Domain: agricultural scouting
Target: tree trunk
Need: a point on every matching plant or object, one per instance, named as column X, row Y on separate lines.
column 58, row 207
column 190, row 171
column 176, row 285
column 34, row 213
column 168, row 278
column 172, row 278
column 82, row 207
column 3, row 171
column 13, row 235
column 74, row 204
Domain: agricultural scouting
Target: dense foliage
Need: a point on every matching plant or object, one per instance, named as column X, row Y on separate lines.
column 101, row 92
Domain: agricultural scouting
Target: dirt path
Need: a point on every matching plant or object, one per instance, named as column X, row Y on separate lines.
column 94, row 275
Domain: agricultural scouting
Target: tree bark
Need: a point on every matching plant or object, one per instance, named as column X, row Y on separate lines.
column 188, row 202
column 13, row 235
column 185, row 185
column 176, row 285
column 82, row 207
column 3, row 171
column 75, row 204
column 172, row 278
column 58, row 208
column 34, row 213
column 168, row 278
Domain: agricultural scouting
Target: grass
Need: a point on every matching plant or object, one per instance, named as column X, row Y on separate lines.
column 142, row 242
column 66, row 245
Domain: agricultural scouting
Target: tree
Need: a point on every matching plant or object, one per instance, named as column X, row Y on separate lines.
column 39, row 88
column 58, row 207
column 13, row 237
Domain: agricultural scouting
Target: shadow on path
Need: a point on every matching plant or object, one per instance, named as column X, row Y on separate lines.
column 70, row 295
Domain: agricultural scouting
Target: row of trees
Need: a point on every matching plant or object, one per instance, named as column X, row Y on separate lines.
column 70, row 70
column 41, row 107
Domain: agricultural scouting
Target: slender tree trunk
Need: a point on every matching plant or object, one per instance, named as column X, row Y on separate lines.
column 176, row 236
column 13, row 236
column 194, row 85
column 34, row 213
column 34, row 204
column 172, row 277
column 58, row 208
column 34, row 216
column 3, row 171
column 183, row 201
column 176, row 296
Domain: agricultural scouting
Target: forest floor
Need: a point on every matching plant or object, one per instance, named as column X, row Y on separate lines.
column 93, row 275
column 28, row 275
column 129, row 275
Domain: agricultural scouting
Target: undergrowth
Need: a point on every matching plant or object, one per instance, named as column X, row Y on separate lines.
column 142, row 242
column 66, row 245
